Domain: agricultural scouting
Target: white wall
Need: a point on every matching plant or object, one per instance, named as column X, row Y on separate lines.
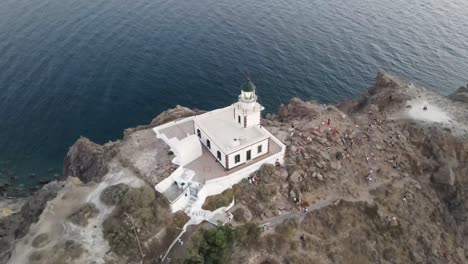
column 174, row 142
column 163, row 185
column 181, row 202
column 253, row 119
column 187, row 149
column 214, row 148
column 243, row 153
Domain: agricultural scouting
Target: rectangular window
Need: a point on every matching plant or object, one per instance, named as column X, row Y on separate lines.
column 218, row 154
column 208, row 143
column 237, row 158
column 259, row 149
column 238, row 119
column 249, row 155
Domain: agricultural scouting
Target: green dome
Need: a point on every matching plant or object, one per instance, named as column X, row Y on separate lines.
column 248, row 86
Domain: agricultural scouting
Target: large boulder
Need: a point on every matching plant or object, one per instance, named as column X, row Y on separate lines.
column 167, row 116
column 388, row 92
column 282, row 112
column 460, row 95
column 301, row 109
column 86, row 160
column 444, row 175
column 173, row 114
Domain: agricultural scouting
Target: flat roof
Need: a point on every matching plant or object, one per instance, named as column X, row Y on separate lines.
column 206, row 167
column 228, row 135
column 180, row 130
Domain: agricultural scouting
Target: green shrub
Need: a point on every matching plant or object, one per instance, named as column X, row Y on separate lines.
column 215, row 245
column 216, row 201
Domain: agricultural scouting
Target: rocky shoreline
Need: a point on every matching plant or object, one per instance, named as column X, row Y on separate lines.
column 380, row 150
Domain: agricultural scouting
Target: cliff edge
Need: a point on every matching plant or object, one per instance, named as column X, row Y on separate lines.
column 381, row 178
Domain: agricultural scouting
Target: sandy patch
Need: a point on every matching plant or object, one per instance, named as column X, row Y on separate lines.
column 433, row 113
column 55, row 223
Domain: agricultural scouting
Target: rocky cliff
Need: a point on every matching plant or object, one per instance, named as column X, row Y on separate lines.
column 383, row 178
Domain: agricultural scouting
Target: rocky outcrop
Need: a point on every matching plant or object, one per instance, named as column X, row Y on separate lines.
column 402, row 187
column 460, row 95
column 299, row 109
column 17, row 225
column 89, row 162
column 166, row 116
column 86, row 160
column 173, row 114
column 388, row 92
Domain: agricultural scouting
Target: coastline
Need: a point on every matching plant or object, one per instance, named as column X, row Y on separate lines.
column 389, row 96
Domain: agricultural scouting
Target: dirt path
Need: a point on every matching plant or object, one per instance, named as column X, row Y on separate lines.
column 274, row 221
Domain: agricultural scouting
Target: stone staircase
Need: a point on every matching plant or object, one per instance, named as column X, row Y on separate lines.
column 191, row 202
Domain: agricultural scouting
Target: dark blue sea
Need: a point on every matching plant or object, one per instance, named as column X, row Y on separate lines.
column 71, row 68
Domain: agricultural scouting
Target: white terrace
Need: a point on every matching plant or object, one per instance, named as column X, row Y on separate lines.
column 199, row 173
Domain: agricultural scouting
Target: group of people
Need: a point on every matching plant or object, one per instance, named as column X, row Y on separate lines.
column 298, row 203
column 253, row 179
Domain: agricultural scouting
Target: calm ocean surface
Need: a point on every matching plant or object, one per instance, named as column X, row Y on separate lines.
column 94, row 67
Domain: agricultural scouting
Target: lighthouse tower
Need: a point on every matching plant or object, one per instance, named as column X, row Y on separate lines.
column 247, row 112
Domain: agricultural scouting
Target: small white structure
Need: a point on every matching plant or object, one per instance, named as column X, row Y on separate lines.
column 216, row 150
column 187, row 150
column 233, row 134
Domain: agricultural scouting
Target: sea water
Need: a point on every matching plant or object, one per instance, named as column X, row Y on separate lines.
column 71, row 68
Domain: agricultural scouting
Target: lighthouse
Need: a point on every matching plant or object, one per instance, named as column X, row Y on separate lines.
column 247, row 111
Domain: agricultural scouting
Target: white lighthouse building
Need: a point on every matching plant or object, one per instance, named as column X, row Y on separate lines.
column 247, row 110
column 233, row 134
column 216, row 150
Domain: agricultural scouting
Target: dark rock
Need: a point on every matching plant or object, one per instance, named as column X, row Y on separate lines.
column 282, row 112
column 112, row 194
column 17, row 225
column 81, row 216
column 165, row 117
column 295, row 177
column 300, row 109
column 86, row 160
column 460, row 95
column 44, row 181
column 444, row 175
column 40, row 240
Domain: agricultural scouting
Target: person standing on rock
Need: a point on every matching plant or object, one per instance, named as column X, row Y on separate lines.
column 277, row 163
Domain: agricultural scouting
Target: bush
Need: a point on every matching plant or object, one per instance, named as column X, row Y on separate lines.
column 112, row 194
column 147, row 208
column 215, row 245
column 247, row 235
column 239, row 215
column 216, row 201
column 266, row 172
column 83, row 214
column 180, row 218
column 211, row 246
